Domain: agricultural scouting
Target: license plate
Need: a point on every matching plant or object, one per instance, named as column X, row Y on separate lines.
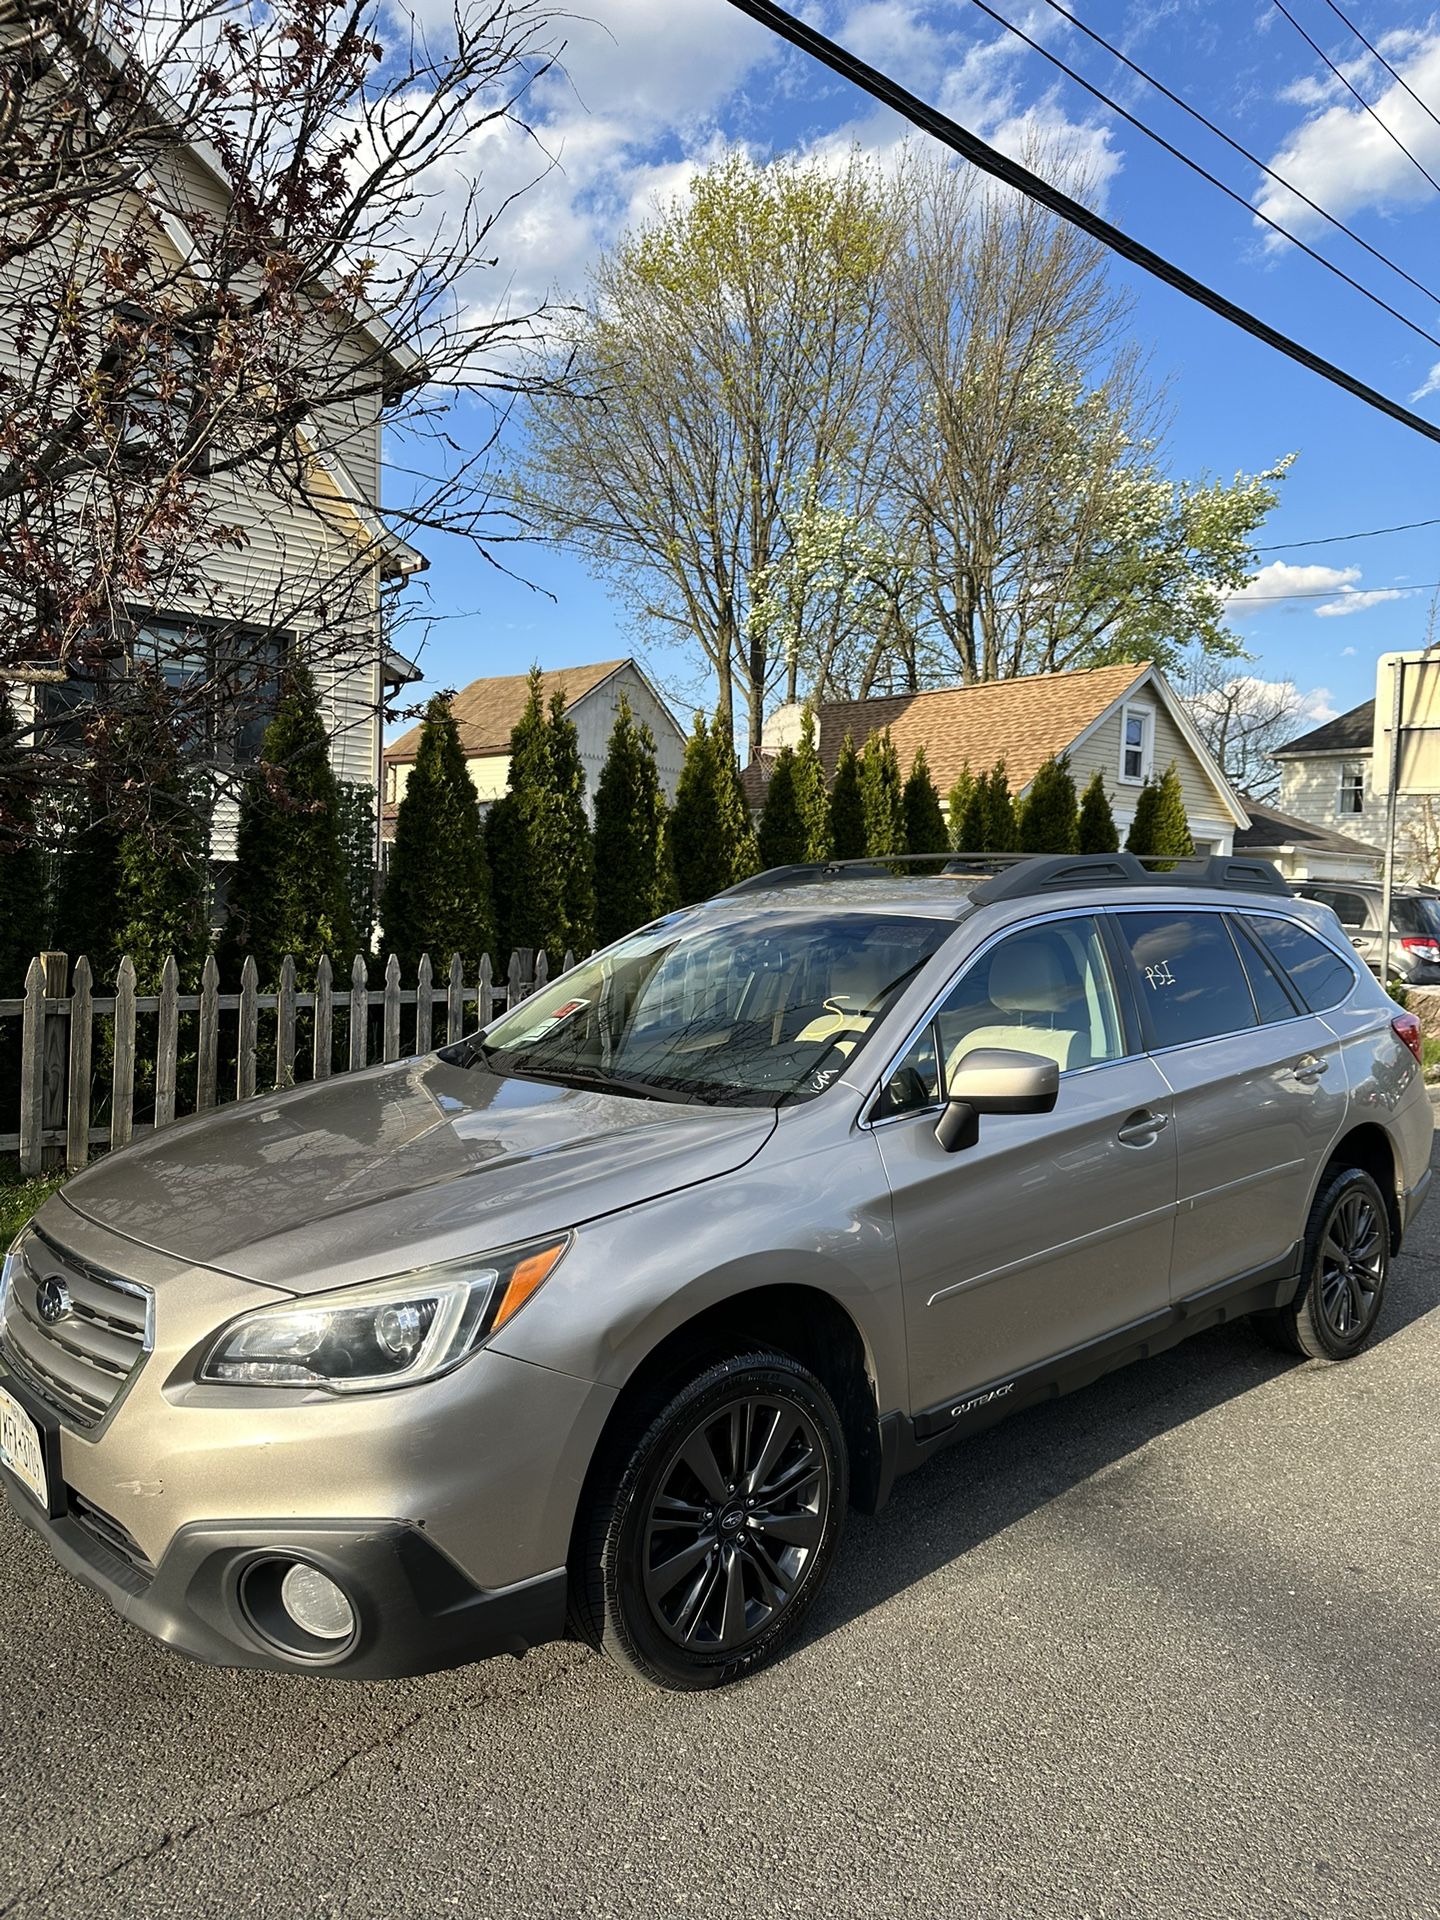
column 21, row 1448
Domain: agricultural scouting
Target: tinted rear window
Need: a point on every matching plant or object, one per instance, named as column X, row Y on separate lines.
column 1190, row 980
column 1321, row 976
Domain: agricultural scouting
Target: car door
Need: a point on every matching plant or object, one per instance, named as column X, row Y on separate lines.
column 1053, row 1229
column 1258, row 1089
column 1359, row 915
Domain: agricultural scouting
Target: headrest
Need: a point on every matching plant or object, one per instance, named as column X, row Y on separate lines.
column 860, row 975
column 1025, row 977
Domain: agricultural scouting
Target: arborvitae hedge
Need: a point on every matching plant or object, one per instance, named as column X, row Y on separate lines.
column 526, row 838
column 847, row 806
column 290, row 891
column 437, row 891
column 1096, row 832
column 22, row 867
column 967, row 812
column 882, row 795
column 782, row 834
column 631, row 883
column 811, row 795
column 925, row 830
column 999, row 816
column 577, row 877
column 1160, row 827
column 1049, row 821
column 712, row 843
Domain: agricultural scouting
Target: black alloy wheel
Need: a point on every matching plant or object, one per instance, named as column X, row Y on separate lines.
column 1345, row 1265
column 711, row 1530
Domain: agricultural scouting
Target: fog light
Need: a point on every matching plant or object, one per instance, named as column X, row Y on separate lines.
column 316, row 1604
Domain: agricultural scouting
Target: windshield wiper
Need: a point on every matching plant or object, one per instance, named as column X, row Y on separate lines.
column 606, row 1083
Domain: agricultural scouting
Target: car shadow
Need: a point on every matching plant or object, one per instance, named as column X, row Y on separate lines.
column 974, row 1489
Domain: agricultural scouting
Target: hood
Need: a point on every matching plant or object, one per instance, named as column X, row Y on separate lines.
column 394, row 1167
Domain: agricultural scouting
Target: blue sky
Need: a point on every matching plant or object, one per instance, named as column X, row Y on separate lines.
column 656, row 88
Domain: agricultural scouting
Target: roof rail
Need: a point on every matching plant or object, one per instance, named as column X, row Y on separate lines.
column 1013, row 876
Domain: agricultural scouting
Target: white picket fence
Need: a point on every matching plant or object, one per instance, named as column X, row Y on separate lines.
column 60, row 1087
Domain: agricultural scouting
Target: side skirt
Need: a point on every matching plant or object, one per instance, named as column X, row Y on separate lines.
column 908, row 1443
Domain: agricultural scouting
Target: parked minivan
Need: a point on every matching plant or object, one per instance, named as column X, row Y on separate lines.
column 1414, row 925
column 598, row 1321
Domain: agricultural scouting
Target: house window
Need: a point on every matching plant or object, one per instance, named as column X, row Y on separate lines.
column 1352, row 787
column 153, row 406
column 1137, row 744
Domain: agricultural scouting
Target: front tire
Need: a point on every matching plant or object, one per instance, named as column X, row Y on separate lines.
column 711, row 1529
column 1346, row 1266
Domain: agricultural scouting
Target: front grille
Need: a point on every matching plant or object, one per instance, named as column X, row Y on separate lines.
column 110, row 1534
column 80, row 1363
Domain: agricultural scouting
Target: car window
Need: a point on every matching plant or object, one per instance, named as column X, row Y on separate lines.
column 690, row 1009
column 1273, row 999
column 1321, row 976
column 1190, row 980
column 1044, row 989
column 1416, row 914
column 1349, row 907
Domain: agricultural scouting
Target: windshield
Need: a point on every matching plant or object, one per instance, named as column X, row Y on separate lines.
column 747, row 1016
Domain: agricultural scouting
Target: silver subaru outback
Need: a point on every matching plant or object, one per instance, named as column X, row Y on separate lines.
column 597, row 1322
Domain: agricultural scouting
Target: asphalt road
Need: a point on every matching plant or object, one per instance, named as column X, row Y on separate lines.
column 1170, row 1647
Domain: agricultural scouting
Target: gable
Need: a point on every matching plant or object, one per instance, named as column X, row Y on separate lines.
column 486, row 712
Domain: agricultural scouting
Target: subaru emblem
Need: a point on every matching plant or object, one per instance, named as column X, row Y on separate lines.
column 52, row 1300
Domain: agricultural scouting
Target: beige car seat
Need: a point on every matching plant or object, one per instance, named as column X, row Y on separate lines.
column 1026, row 979
column 858, row 983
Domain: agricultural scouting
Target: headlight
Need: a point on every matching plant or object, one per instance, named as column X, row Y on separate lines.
column 10, row 1265
column 389, row 1333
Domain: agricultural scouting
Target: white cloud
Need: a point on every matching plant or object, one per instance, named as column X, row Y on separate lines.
column 1352, row 602
column 1430, row 384
column 1343, row 159
column 1348, row 653
column 1274, row 582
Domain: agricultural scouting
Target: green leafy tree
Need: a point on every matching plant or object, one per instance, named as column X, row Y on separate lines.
column 1049, row 821
column 437, row 891
column 712, row 842
column 882, row 795
column 1160, row 829
column 965, row 812
column 1096, row 832
column 357, row 838
column 290, row 890
column 782, row 834
column 925, row 829
column 162, row 875
column 632, row 883
column 22, row 866
column 811, row 795
column 577, row 856
column 847, row 806
column 999, row 812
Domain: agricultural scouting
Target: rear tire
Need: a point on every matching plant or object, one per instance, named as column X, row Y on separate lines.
column 712, row 1524
column 1345, row 1266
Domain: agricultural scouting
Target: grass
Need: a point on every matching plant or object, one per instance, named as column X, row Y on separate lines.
column 1432, row 1057
column 19, row 1198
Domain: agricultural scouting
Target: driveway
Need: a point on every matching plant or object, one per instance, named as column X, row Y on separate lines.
column 1170, row 1647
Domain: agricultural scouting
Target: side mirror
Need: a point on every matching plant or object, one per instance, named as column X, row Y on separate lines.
column 995, row 1080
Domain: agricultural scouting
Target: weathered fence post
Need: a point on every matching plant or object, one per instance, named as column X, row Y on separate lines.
column 324, row 1018
column 32, row 1071
column 359, row 1014
column 454, row 1001
column 285, row 1026
column 568, row 962
column 52, row 1114
column 122, row 1086
column 424, row 1006
column 390, row 1041
column 514, row 990
column 207, row 1069
column 167, row 1042
column 248, row 1040
column 486, row 1009
column 542, row 971
column 77, row 1123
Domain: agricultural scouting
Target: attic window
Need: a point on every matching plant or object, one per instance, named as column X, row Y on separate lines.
column 1352, row 787
column 1137, row 744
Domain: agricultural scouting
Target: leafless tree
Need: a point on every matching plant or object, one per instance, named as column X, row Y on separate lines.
column 233, row 241
column 1242, row 720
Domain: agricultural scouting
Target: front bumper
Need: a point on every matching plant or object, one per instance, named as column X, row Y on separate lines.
column 415, row 1611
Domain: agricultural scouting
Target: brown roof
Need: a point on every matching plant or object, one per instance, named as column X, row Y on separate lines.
column 1021, row 721
column 486, row 711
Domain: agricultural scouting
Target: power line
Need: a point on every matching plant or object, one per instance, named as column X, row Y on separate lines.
column 989, row 160
column 1337, row 539
column 1375, row 53
column 1320, row 53
column 1338, row 592
column 1214, row 180
column 1237, row 146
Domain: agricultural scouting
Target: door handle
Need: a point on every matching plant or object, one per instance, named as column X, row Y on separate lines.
column 1142, row 1129
column 1308, row 1069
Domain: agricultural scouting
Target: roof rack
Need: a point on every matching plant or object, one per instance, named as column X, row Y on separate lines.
column 1014, row 876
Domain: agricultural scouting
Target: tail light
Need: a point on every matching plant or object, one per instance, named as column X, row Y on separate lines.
column 1407, row 1028
column 1423, row 946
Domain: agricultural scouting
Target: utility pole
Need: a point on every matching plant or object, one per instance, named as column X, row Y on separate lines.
column 1397, row 709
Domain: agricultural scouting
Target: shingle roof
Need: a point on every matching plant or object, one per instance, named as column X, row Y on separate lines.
column 486, row 711
column 1352, row 732
column 1021, row 721
column 1269, row 827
